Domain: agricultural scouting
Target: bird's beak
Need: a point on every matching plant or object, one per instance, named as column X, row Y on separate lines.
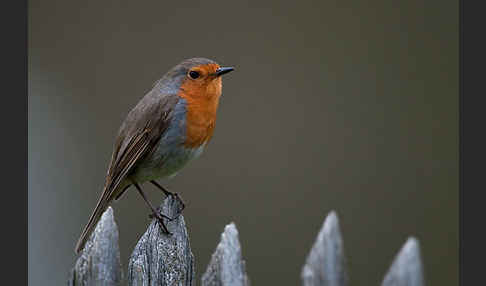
column 221, row 71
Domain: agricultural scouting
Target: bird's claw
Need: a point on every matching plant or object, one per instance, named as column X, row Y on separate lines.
column 158, row 214
column 160, row 219
column 177, row 197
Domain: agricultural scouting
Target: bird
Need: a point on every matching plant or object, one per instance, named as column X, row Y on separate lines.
column 170, row 126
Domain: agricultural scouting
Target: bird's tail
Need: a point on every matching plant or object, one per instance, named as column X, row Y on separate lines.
column 93, row 220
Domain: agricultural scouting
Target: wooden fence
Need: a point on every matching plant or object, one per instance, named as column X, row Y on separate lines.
column 159, row 259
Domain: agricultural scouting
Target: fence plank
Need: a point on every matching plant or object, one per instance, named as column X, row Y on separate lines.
column 99, row 263
column 406, row 269
column 161, row 259
column 227, row 266
column 326, row 264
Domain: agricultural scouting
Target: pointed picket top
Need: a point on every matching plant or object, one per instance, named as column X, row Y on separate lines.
column 99, row 263
column 161, row 259
column 406, row 269
column 326, row 263
column 227, row 266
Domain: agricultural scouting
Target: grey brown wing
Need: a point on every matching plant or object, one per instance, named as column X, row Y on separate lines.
column 142, row 129
column 144, row 126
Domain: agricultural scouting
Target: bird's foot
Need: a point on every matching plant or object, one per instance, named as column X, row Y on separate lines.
column 177, row 197
column 158, row 214
column 160, row 218
column 179, row 204
column 167, row 193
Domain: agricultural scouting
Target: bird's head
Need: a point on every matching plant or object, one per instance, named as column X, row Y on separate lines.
column 199, row 78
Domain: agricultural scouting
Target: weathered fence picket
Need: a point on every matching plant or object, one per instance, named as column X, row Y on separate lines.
column 326, row 264
column 227, row 266
column 407, row 267
column 159, row 259
column 99, row 263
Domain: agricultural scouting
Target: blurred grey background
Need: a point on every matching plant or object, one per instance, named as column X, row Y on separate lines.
column 335, row 105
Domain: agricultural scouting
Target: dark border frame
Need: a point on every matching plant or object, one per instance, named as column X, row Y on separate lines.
column 472, row 142
column 14, row 144
column 461, row 142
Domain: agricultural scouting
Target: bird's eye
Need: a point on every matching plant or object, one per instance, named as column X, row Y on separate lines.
column 193, row 74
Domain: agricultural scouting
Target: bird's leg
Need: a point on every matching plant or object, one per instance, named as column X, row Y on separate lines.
column 155, row 212
column 167, row 193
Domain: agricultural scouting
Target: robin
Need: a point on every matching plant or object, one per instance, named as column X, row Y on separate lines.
column 168, row 127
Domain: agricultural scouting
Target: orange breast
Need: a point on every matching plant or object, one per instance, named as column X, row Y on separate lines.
column 202, row 104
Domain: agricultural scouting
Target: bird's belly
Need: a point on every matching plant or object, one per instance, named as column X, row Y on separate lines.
column 170, row 154
column 165, row 162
